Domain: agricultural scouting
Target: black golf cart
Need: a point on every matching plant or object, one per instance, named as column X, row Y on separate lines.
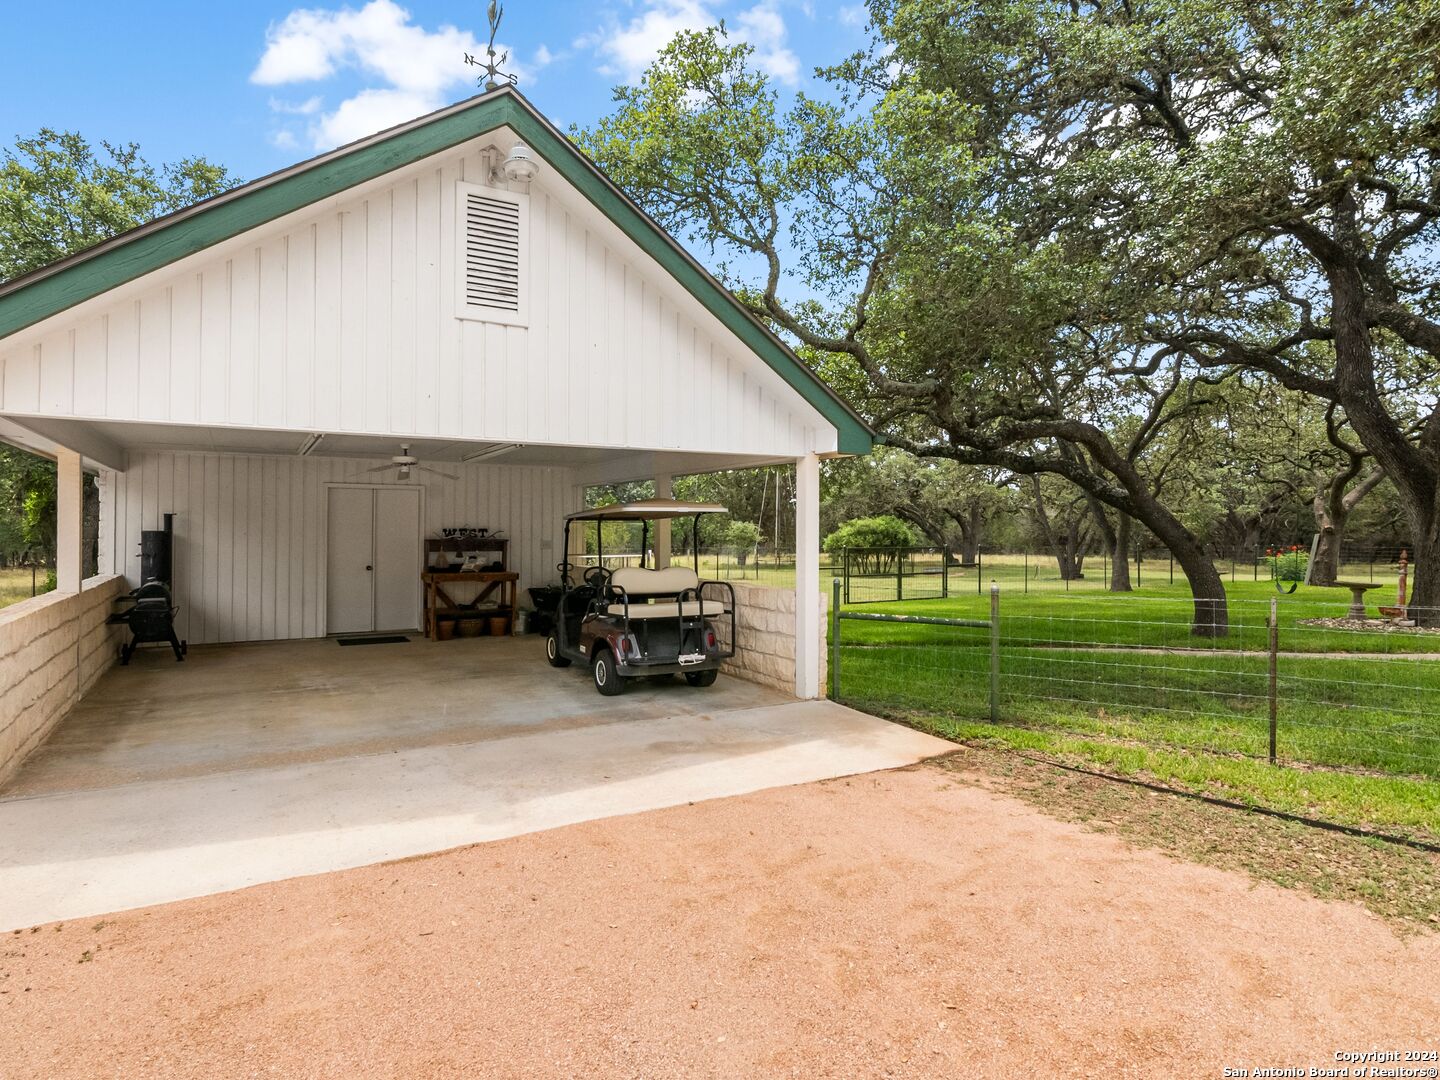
column 637, row 621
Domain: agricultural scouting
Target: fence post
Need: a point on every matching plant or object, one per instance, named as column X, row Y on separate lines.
column 945, row 572
column 845, row 569
column 899, row 573
column 835, row 640
column 1027, row 569
column 1274, row 672
column 1137, row 564
column 979, row 569
column 994, row 652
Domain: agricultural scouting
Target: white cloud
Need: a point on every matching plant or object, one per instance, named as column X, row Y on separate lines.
column 367, row 112
column 854, row 15
column 626, row 49
column 309, row 107
column 764, row 28
column 419, row 70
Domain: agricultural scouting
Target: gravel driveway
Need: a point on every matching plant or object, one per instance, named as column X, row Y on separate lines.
column 894, row 924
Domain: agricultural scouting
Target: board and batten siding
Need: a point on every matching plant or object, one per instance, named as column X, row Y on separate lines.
column 342, row 317
column 250, row 530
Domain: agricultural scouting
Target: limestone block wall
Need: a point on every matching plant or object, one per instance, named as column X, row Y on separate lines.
column 52, row 649
column 765, row 626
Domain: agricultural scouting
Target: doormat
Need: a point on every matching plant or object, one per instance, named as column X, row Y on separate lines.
column 383, row 639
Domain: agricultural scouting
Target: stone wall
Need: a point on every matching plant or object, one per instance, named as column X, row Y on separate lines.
column 765, row 625
column 52, row 649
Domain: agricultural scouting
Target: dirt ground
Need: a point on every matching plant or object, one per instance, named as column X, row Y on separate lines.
column 909, row 923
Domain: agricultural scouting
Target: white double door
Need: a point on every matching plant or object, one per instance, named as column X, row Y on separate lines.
column 373, row 559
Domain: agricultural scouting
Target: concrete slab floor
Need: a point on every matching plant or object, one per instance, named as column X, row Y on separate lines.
column 254, row 763
column 276, row 703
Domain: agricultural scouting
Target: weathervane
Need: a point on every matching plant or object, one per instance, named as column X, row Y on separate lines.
column 491, row 64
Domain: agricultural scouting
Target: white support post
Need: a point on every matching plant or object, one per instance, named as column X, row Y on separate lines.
column 663, row 490
column 69, row 521
column 807, row 577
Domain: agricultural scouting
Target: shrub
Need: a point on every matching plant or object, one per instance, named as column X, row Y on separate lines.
column 1287, row 564
column 740, row 538
column 885, row 531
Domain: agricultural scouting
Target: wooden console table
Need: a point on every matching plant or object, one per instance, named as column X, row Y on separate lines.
column 440, row 605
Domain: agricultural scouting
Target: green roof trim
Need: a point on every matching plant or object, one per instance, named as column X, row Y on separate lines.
column 87, row 274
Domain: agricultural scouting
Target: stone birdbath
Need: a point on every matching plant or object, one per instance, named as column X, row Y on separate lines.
column 1358, row 589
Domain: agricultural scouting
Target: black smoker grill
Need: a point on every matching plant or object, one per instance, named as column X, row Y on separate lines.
column 151, row 615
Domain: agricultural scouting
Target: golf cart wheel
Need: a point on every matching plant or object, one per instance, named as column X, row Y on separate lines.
column 552, row 652
column 602, row 670
column 701, row 678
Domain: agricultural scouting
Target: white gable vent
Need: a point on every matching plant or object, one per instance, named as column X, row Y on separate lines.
column 492, row 254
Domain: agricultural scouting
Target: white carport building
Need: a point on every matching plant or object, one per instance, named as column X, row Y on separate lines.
column 243, row 363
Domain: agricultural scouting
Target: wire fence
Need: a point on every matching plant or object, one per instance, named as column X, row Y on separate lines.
column 875, row 575
column 1294, row 681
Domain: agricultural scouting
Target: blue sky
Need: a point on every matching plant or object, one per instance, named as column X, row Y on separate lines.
column 256, row 86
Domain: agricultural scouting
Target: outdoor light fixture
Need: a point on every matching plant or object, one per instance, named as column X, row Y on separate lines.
column 310, row 444
column 520, row 167
column 492, row 452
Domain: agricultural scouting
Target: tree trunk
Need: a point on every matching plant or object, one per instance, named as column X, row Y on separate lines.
column 1122, row 488
column 1212, row 612
column 1325, row 566
column 1120, row 556
column 1061, row 552
column 1330, row 518
column 1332, row 506
column 1414, row 472
column 1424, row 603
column 970, row 535
column 1116, row 542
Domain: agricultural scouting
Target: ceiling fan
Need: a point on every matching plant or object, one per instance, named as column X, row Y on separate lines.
column 405, row 461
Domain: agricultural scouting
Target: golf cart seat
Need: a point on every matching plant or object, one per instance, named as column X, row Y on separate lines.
column 655, row 594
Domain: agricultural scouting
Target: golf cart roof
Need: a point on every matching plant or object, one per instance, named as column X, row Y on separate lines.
column 647, row 510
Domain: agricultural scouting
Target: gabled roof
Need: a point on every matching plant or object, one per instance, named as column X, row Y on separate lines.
column 86, row 274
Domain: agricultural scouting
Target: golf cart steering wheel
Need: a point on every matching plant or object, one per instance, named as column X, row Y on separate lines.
column 596, row 577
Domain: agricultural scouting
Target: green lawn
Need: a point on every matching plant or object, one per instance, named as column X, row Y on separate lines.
column 1360, row 732
column 1153, row 617
column 15, row 585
